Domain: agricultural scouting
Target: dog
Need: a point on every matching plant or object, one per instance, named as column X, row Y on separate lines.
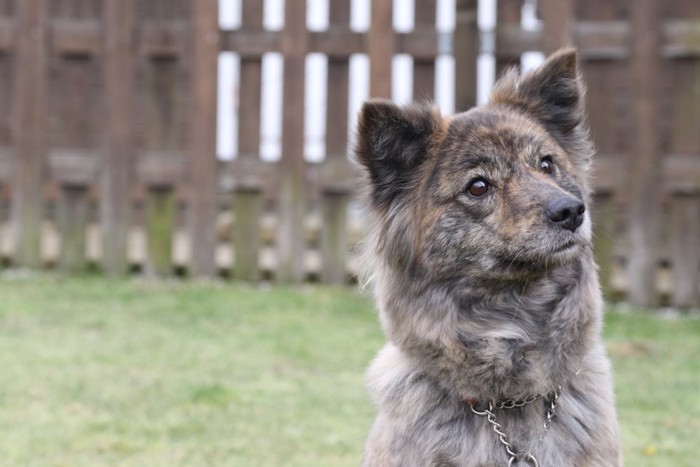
column 480, row 259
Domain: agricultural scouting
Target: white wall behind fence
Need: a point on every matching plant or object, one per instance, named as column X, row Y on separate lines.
column 316, row 71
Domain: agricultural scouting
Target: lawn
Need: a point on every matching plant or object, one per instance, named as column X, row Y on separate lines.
column 107, row 372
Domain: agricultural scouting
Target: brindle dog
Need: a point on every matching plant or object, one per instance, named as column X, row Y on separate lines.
column 480, row 257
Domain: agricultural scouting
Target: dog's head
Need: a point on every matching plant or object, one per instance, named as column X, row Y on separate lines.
column 498, row 192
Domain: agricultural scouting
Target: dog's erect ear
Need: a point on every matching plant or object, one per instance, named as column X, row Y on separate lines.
column 392, row 141
column 552, row 93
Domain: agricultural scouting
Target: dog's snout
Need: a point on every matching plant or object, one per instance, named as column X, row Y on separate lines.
column 566, row 212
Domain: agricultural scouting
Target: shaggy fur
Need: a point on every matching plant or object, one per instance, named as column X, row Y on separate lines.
column 486, row 297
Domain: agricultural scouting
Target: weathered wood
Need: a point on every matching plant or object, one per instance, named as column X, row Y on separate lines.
column 160, row 228
column 507, row 18
column 247, row 208
column 248, row 168
column 685, row 250
column 334, row 237
column 381, row 48
column 604, row 236
column 645, row 202
column 73, row 37
column 29, row 131
column 334, row 198
column 203, row 163
column 424, row 68
column 250, row 88
column 466, row 53
column 292, row 205
column 72, row 216
column 684, row 226
column 557, row 22
column 116, row 174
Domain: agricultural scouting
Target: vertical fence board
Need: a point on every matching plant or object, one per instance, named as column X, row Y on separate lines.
column 203, row 162
column 29, row 131
column 685, row 251
column 335, row 192
column 334, row 236
column 604, row 239
column 248, row 191
column 72, row 214
column 466, row 53
column 603, row 79
column 160, row 227
column 644, row 162
column 292, row 205
column 248, row 208
column 507, row 19
column 380, row 43
column 116, row 171
column 557, row 23
column 684, row 225
column 424, row 69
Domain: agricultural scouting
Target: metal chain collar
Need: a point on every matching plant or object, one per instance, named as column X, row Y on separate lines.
column 514, row 455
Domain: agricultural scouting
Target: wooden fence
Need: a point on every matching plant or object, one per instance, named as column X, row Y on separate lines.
column 107, row 135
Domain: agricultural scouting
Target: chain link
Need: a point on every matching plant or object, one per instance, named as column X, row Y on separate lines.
column 514, row 455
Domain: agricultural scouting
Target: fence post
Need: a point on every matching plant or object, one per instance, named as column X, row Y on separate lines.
column 117, row 170
column 72, row 218
column 684, row 225
column 557, row 21
column 424, row 68
column 466, row 53
column 292, row 167
column 380, row 43
column 335, row 191
column 203, row 162
column 685, row 249
column 248, row 191
column 160, row 227
column 29, row 131
column 508, row 15
column 604, row 239
column 644, row 161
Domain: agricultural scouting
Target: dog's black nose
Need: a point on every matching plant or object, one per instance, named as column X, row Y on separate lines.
column 566, row 212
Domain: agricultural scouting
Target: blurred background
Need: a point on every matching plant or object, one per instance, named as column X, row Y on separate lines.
column 205, row 137
column 146, row 141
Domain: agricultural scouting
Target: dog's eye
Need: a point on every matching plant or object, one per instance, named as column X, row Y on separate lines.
column 478, row 187
column 547, row 165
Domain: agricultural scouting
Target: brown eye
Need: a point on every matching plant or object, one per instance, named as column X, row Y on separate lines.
column 547, row 165
column 478, row 187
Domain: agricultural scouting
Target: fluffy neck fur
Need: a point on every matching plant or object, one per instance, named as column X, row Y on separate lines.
column 528, row 338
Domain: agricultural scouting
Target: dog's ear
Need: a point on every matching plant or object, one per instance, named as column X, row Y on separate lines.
column 392, row 142
column 552, row 93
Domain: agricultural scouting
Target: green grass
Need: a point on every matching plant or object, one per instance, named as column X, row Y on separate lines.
column 125, row 372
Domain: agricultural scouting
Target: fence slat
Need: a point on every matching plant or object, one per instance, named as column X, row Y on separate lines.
column 380, row 43
column 334, row 236
column 507, row 18
column 203, row 206
column 644, row 162
column 118, row 152
column 335, row 191
column 29, row 131
column 247, row 208
column 466, row 53
column 72, row 218
column 557, row 23
column 248, row 191
column 685, row 250
column 160, row 229
column 424, row 69
column 292, row 206
column 604, row 226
